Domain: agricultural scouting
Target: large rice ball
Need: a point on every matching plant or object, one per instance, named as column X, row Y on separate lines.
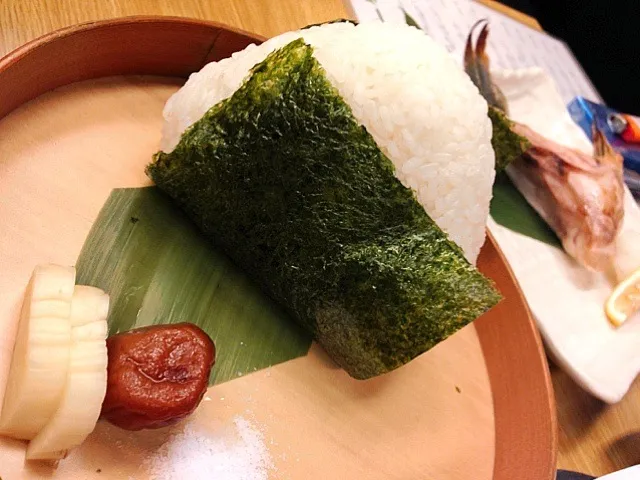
column 422, row 110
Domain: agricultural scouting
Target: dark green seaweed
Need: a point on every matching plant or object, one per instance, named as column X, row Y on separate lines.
column 506, row 144
column 329, row 22
column 283, row 178
column 409, row 20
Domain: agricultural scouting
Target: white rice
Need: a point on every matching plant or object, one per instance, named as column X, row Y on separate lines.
column 410, row 94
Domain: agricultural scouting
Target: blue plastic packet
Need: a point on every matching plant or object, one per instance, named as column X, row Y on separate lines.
column 585, row 113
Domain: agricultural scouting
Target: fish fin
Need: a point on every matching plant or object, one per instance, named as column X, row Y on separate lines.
column 481, row 43
column 602, row 149
column 477, row 65
column 470, row 58
column 484, row 64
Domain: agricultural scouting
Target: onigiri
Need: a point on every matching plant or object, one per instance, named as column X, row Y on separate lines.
column 410, row 94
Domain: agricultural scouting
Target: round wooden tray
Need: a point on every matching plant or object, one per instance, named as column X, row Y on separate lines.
column 478, row 406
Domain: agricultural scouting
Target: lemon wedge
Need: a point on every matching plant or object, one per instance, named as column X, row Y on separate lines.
column 625, row 299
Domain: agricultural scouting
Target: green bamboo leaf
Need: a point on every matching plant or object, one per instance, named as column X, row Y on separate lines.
column 159, row 269
column 510, row 209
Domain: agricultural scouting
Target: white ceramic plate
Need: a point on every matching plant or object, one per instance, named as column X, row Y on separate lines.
column 567, row 301
column 632, row 473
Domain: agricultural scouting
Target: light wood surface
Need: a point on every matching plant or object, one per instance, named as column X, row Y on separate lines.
column 316, row 422
column 24, row 20
column 594, row 438
column 477, row 406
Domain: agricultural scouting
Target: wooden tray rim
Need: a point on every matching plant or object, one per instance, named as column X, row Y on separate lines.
column 19, row 60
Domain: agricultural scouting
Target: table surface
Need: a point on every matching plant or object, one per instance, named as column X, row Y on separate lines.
column 594, row 438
